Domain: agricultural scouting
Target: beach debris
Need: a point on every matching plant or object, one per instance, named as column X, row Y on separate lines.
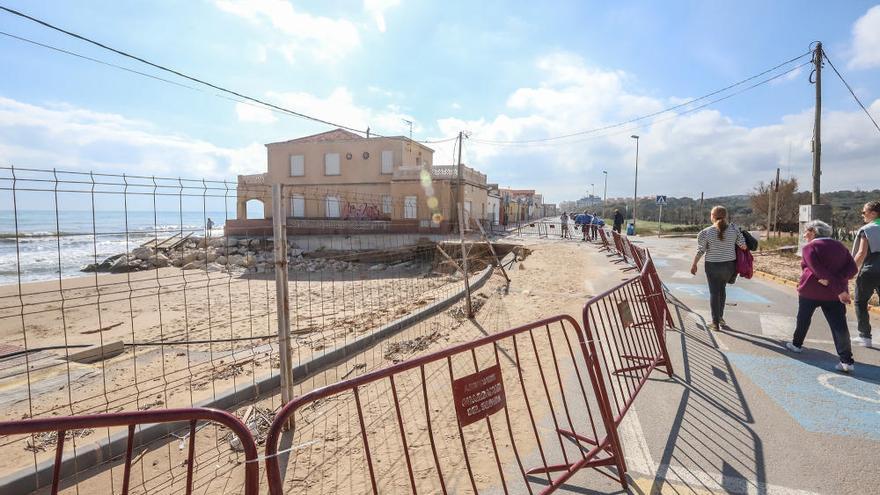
column 47, row 439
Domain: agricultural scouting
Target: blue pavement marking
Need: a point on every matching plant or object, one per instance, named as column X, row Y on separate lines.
column 820, row 399
column 737, row 294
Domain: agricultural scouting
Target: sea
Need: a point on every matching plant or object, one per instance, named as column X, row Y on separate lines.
column 37, row 245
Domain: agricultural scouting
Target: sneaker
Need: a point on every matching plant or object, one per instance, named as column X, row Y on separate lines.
column 793, row 348
column 846, row 368
column 713, row 327
column 722, row 323
column 863, row 341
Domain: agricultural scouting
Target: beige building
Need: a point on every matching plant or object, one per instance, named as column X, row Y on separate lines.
column 340, row 181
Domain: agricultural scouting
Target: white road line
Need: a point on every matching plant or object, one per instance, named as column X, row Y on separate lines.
column 639, row 460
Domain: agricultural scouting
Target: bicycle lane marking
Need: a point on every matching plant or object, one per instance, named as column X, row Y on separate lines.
column 815, row 396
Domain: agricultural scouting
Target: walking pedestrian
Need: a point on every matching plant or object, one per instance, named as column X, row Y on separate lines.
column 564, row 221
column 618, row 220
column 718, row 243
column 866, row 251
column 827, row 267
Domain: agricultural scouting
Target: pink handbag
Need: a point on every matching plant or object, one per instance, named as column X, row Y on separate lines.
column 744, row 263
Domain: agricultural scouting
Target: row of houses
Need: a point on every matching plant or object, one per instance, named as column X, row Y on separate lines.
column 340, row 181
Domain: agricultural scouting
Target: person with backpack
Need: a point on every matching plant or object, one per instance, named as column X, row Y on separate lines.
column 718, row 243
column 866, row 251
column 827, row 267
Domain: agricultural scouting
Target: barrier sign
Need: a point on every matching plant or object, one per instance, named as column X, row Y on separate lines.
column 479, row 395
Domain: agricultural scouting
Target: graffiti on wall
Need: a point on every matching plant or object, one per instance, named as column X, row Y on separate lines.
column 362, row 211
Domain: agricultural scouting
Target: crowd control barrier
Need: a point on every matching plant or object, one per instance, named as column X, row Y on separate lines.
column 64, row 465
column 624, row 327
column 471, row 418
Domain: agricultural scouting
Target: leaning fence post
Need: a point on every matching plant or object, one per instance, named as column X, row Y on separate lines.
column 279, row 229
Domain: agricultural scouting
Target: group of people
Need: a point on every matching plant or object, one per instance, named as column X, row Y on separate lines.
column 588, row 223
column 827, row 267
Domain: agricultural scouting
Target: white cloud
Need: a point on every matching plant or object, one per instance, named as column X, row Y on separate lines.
column 339, row 106
column 377, row 8
column 68, row 137
column 703, row 151
column 255, row 114
column 297, row 33
column 866, row 40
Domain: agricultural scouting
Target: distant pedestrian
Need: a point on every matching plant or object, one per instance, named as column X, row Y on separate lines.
column 718, row 243
column 827, row 267
column 210, row 226
column 618, row 220
column 866, row 251
column 564, row 221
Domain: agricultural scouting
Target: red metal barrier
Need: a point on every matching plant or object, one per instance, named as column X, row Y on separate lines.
column 519, row 394
column 624, row 327
column 603, row 240
column 63, row 424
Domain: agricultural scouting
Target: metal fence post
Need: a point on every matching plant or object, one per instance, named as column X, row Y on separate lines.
column 279, row 229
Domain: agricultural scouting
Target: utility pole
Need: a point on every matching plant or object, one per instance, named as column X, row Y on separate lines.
column 776, row 207
column 605, row 194
column 460, row 208
column 817, row 124
column 769, row 206
column 700, row 223
column 636, row 187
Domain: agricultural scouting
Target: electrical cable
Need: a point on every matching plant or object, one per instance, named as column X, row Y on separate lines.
column 641, row 126
column 851, row 92
column 262, row 103
column 636, row 119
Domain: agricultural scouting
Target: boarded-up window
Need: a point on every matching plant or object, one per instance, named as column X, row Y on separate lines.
column 331, row 164
column 387, row 162
column 297, row 206
column 387, row 205
column 332, row 207
column 410, row 206
column 297, row 165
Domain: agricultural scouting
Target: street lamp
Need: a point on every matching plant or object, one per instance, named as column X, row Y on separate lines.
column 592, row 194
column 636, row 187
column 605, row 195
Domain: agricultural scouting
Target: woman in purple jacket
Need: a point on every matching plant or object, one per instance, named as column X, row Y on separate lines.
column 827, row 267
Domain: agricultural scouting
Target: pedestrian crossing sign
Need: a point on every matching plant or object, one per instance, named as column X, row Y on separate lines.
column 661, row 200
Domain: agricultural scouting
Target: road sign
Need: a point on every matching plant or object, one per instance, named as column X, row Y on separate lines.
column 661, row 200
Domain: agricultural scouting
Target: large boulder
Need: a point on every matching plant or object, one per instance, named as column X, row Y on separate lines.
column 195, row 265
column 219, row 241
column 235, row 259
column 221, row 260
column 159, row 260
column 142, row 253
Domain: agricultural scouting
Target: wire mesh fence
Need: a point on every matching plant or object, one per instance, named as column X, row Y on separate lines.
column 126, row 292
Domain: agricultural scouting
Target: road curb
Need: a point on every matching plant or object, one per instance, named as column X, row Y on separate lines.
column 793, row 284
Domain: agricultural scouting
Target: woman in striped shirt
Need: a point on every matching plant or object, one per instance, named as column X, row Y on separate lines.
column 718, row 243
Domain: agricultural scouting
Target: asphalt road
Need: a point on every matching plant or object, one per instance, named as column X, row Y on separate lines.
column 742, row 414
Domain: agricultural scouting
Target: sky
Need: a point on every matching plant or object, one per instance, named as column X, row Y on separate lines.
column 500, row 71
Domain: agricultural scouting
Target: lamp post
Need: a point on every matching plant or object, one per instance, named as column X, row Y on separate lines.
column 636, row 187
column 592, row 194
column 605, row 194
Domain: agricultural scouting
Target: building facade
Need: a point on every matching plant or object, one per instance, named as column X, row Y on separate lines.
column 338, row 181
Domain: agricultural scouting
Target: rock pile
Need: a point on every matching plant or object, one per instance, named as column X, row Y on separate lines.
column 227, row 254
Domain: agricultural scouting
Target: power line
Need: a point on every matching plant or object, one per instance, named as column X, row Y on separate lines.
column 641, row 126
column 643, row 117
column 262, row 103
column 852, row 92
